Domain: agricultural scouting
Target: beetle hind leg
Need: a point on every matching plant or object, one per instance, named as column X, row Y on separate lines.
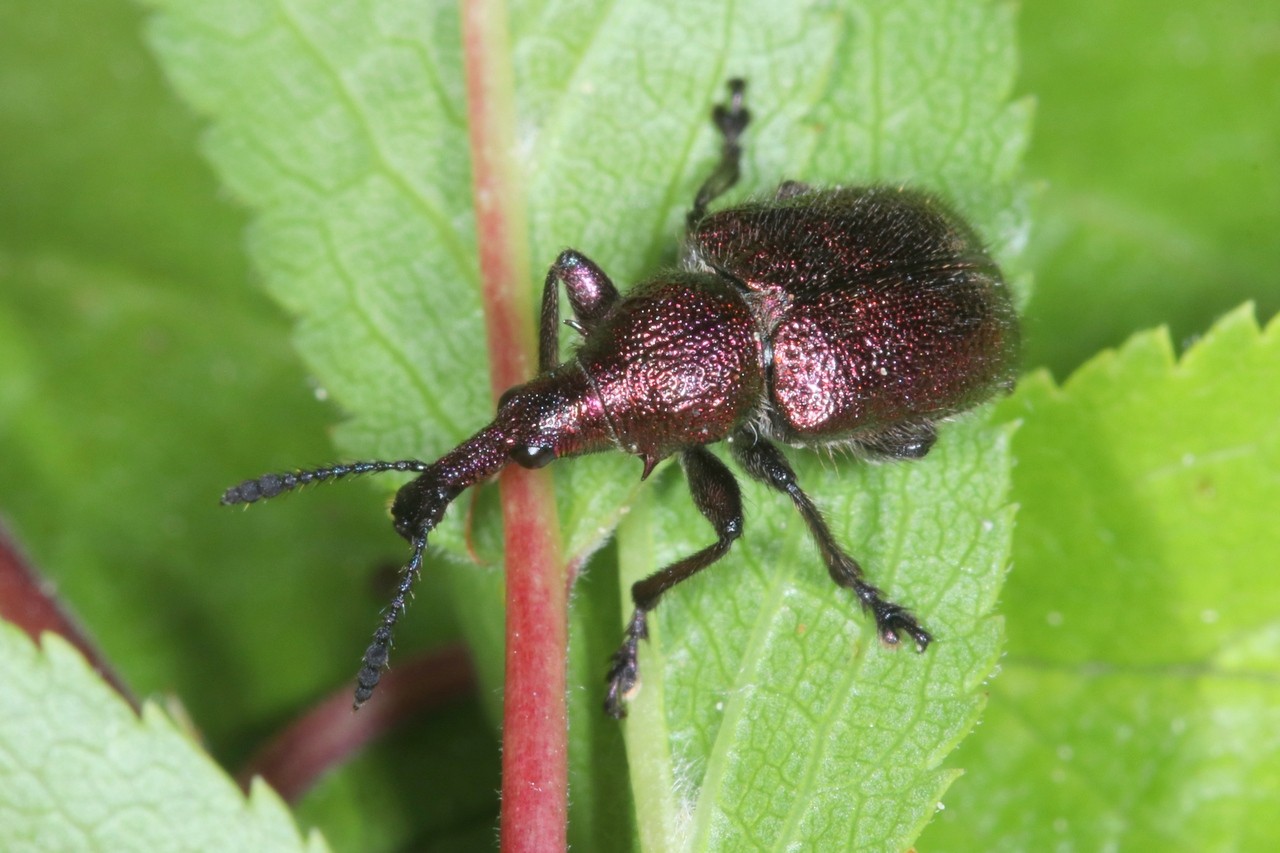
column 765, row 462
column 731, row 120
column 791, row 189
column 903, row 442
column 717, row 497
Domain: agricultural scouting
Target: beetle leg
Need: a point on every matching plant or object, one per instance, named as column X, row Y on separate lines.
column 901, row 442
column 591, row 296
column 765, row 462
column 791, row 189
column 717, row 497
column 731, row 120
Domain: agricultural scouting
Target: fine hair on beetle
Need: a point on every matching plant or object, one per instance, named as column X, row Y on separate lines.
column 824, row 318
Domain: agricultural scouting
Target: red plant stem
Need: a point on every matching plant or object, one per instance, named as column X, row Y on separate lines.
column 534, row 754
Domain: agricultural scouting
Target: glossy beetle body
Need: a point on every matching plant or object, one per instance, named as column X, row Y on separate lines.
column 879, row 310
column 675, row 363
column 851, row 317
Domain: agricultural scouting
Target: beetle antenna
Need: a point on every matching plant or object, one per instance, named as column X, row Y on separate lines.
column 379, row 650
column 270, row 485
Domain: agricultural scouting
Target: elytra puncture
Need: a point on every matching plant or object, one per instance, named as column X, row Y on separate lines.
column 852, row 318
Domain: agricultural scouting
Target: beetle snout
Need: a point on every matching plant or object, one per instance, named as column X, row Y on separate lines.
column 556, row 415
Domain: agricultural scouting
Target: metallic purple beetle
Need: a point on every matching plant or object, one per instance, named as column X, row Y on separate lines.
column 854, row 318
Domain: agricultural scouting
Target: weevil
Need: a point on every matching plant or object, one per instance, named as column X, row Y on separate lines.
column 850, row 317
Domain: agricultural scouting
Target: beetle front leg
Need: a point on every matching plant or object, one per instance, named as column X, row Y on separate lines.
column 591, row 296
column 717, row 497
column 765, row 462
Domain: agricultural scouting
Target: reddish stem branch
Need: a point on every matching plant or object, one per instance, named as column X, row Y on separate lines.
column 28, row 600
column 534, row 753
column 329, row 734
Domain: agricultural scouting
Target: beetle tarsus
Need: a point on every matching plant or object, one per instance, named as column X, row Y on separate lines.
column 893, row 620
column 731, row 119
column 624, row 670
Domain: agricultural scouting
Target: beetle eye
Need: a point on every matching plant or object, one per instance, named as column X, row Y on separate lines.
column 506, row 397
column 532, row 456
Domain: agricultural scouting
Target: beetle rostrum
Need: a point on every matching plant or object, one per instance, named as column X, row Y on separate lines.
column 853, row 318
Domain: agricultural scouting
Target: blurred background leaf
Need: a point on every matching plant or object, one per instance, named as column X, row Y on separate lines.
column 1156, row 139
column 141, row 369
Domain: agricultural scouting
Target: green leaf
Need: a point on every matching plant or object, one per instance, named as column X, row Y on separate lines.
column 1137, row 706
column 1155, row 141
column 139, row 375
column 141, row 372
column 341, row 126
column 783, row 719
column 82, row 771
column 130, row 347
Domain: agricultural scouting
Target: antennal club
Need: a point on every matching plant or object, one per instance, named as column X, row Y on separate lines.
column 419, row 506
column 379, row 650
